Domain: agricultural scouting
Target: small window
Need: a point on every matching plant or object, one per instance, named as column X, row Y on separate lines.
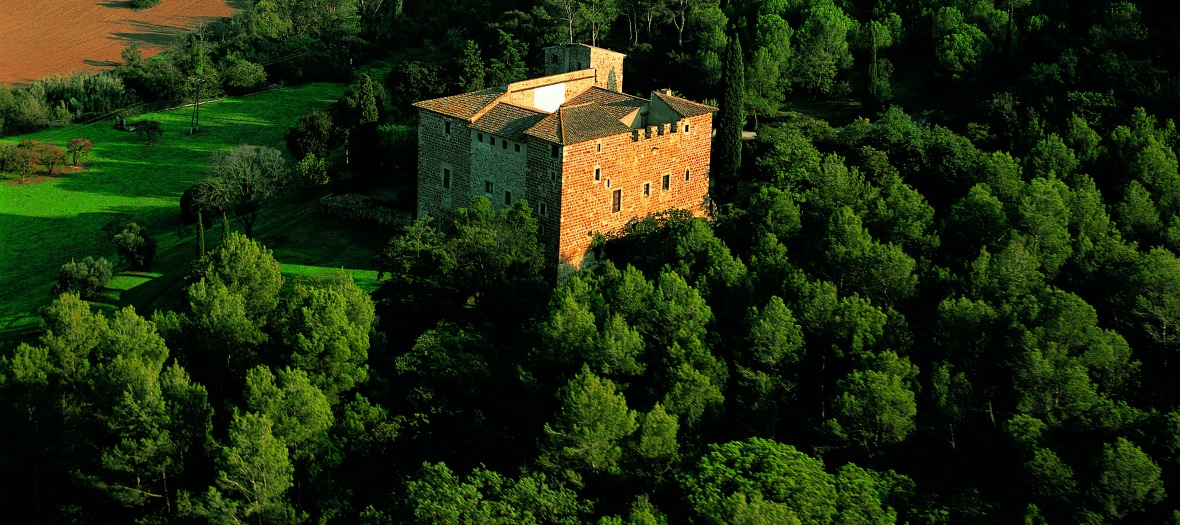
column 608, row 183
column 686, row 127
column 578, row 64
column 492, row 140
column 479, row 137
column 553, row 176
column 553, row 150
column 447, row 178
column 600, row 147
column 687, row 174
column 616, row 202
column 507, row 198
column 542, row 209
column 647, row 189
column 666, row 183
column 504, row 144
column 487, row 187
column 597, row 174
column 517, row 147
column 447, row 127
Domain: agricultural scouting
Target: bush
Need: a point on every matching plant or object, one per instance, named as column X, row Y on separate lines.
column 135, row 246
column 144, row 4
column 241, row 75
column 87, row 278
column 310, row 172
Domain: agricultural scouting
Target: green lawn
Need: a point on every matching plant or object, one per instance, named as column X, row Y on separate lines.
column 44, row 224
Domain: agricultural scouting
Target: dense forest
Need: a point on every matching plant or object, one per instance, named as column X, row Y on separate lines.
column 940, row 286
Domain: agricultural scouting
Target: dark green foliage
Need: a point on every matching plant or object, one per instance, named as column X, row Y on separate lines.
column 313, row 134
column 87, row 278
column 731, row 119
column 136, row 246
column 144, row 4
column 411, row 81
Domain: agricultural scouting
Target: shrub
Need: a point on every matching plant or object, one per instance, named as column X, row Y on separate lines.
column 87, row 278
column 135, row 246
column 310, row 172
column 144, row 4
column 190, row 206
column 241, row 75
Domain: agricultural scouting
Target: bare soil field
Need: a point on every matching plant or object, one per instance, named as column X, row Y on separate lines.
column 39, row 38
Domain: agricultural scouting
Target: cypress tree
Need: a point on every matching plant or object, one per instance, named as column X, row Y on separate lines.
column 731, row 117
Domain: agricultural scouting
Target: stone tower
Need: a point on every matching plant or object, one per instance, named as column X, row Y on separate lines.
column 607, row 64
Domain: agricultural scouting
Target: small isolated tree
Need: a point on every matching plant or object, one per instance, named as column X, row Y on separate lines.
column 87, row 278
column 310, row 172
column 149, row 130
column 135, row 246
column 242, row 180
column 52, row 156
column 79, row 148
column 26, row 158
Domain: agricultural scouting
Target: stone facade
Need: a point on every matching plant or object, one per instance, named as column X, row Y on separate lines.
column 588, row 159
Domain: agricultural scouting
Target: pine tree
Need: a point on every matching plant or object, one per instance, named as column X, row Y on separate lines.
column 727, row 149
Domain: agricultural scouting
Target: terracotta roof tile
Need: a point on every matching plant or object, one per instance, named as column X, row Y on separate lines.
column 574, row 124
column 507, row 120
column 617, row 104
column 463, row 106
column 685, row 107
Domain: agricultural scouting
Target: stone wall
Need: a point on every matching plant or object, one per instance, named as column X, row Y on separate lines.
column 439, row 151
column 543, row 181
column 500, row 162
column 627, row 162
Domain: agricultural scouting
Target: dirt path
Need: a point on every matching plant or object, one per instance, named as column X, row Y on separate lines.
column 39, row 38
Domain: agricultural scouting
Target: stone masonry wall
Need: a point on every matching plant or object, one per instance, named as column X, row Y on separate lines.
column 543, row 181
column 627, row 162
column 438, row 150
column 497, row 160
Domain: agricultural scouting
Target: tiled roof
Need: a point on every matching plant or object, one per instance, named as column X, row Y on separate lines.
column 507, row 120
column 617, row 104
column 686, row 108
column 573, row 124
column 462, row 106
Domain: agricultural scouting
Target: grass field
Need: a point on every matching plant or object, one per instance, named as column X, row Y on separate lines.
column 46, row 223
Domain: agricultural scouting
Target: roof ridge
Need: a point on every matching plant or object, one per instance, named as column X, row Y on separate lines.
column 560, row 125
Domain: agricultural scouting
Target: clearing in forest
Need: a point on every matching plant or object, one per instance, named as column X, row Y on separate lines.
column 39, row 38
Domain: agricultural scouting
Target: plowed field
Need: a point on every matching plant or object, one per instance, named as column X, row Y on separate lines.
column 39, row 38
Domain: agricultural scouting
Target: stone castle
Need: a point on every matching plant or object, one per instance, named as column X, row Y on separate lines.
column 587, row 157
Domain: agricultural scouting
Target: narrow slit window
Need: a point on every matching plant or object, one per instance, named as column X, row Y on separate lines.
column 447, row 127
column 600, row 147
column 553, row 150
column 507, row 198
column 687, row 174
column 479, row 137
column 616, row 202
column 492, row 140
column 446, row 178
column 597, row 174
column 686, row 127
column 647, row 189
column 504, row 144
column 517, row 146
column 487, row 187
column 553, row 176
column 666, row 183
column 542, row 209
